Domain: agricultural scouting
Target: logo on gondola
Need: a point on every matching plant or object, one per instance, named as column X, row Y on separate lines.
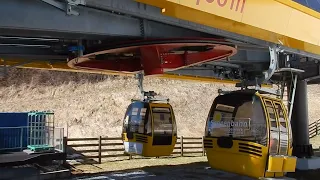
column 232, row 124
column 234, row 5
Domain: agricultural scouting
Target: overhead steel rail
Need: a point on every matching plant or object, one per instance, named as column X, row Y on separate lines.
column 109, row 20
column 209, row 18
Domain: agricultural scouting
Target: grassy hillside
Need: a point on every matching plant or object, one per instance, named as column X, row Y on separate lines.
column 93, row 105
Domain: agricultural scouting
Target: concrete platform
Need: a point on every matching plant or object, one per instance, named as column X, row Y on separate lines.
column 308, row 164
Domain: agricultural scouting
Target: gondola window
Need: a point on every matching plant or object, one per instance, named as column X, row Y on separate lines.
column 162, row 121
column 274, row 128
column 283, row 130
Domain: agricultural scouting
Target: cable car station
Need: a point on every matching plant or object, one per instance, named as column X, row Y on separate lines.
column 269, row 49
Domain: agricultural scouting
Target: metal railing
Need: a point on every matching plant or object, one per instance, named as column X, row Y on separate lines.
column 18, row 138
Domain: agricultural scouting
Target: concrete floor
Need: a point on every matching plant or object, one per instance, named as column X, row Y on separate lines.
column 188, row 172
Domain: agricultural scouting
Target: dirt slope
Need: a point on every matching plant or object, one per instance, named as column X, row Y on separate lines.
column 93, row 105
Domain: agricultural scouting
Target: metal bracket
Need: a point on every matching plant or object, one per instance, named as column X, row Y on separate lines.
column 292, row 96
column 67, row 6
column 78, row 50
column 147, row 96
column 273, row 66
column 139, row 76
column 264, row 90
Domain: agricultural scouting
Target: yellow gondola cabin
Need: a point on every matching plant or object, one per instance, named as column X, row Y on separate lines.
column 149, row 129
column 248, row 133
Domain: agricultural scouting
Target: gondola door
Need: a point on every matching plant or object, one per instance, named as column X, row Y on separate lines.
column 274, row 128
column 162, row 123
column 284, row 129
column 274, row 163
column 284, row 133
column 279, row 141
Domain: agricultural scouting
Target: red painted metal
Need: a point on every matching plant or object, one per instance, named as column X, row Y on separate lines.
column 154, row 57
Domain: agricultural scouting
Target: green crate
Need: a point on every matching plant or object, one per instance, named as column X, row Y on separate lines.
column 40, row 148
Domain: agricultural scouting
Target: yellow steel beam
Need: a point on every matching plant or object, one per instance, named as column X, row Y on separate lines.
column 61, row 66
column 57, row 66
column 197, row 78
column 278, row 21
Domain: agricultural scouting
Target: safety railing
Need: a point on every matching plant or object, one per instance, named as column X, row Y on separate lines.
column 314, row 128
column 18, row 138
column 112, row 147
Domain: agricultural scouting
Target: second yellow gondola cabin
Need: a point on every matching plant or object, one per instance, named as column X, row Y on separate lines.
column 248, row 133
column 149, row 129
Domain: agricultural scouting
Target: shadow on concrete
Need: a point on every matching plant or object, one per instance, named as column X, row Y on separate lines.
column 305, row 175
column 198, row 170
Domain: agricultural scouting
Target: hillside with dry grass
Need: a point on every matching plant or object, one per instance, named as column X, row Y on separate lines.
column 91, row 105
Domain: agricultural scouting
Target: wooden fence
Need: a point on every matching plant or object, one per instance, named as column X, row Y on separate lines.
column 314, row 128
column 112, row 147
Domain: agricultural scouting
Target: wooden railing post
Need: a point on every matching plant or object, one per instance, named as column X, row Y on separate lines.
column 99, row 150
column 316, row 127
column 181, row 145
column 202, row 146
column 65, row 144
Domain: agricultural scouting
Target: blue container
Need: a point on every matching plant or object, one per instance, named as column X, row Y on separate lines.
column 11, row 138
column 13, row 119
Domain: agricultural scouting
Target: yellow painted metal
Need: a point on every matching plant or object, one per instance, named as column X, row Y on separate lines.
column 197, row 78
column 149, row 150
column 281, row 22
column 244, row 163
column 232, row 160
column 289, row 164
column 275, row 164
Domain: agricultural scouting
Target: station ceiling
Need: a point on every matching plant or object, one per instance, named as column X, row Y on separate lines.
column 35, row 34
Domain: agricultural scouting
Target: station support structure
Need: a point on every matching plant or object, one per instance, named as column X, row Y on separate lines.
column 300, row 121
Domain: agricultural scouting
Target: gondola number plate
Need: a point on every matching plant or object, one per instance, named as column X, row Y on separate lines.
column 133, row 147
